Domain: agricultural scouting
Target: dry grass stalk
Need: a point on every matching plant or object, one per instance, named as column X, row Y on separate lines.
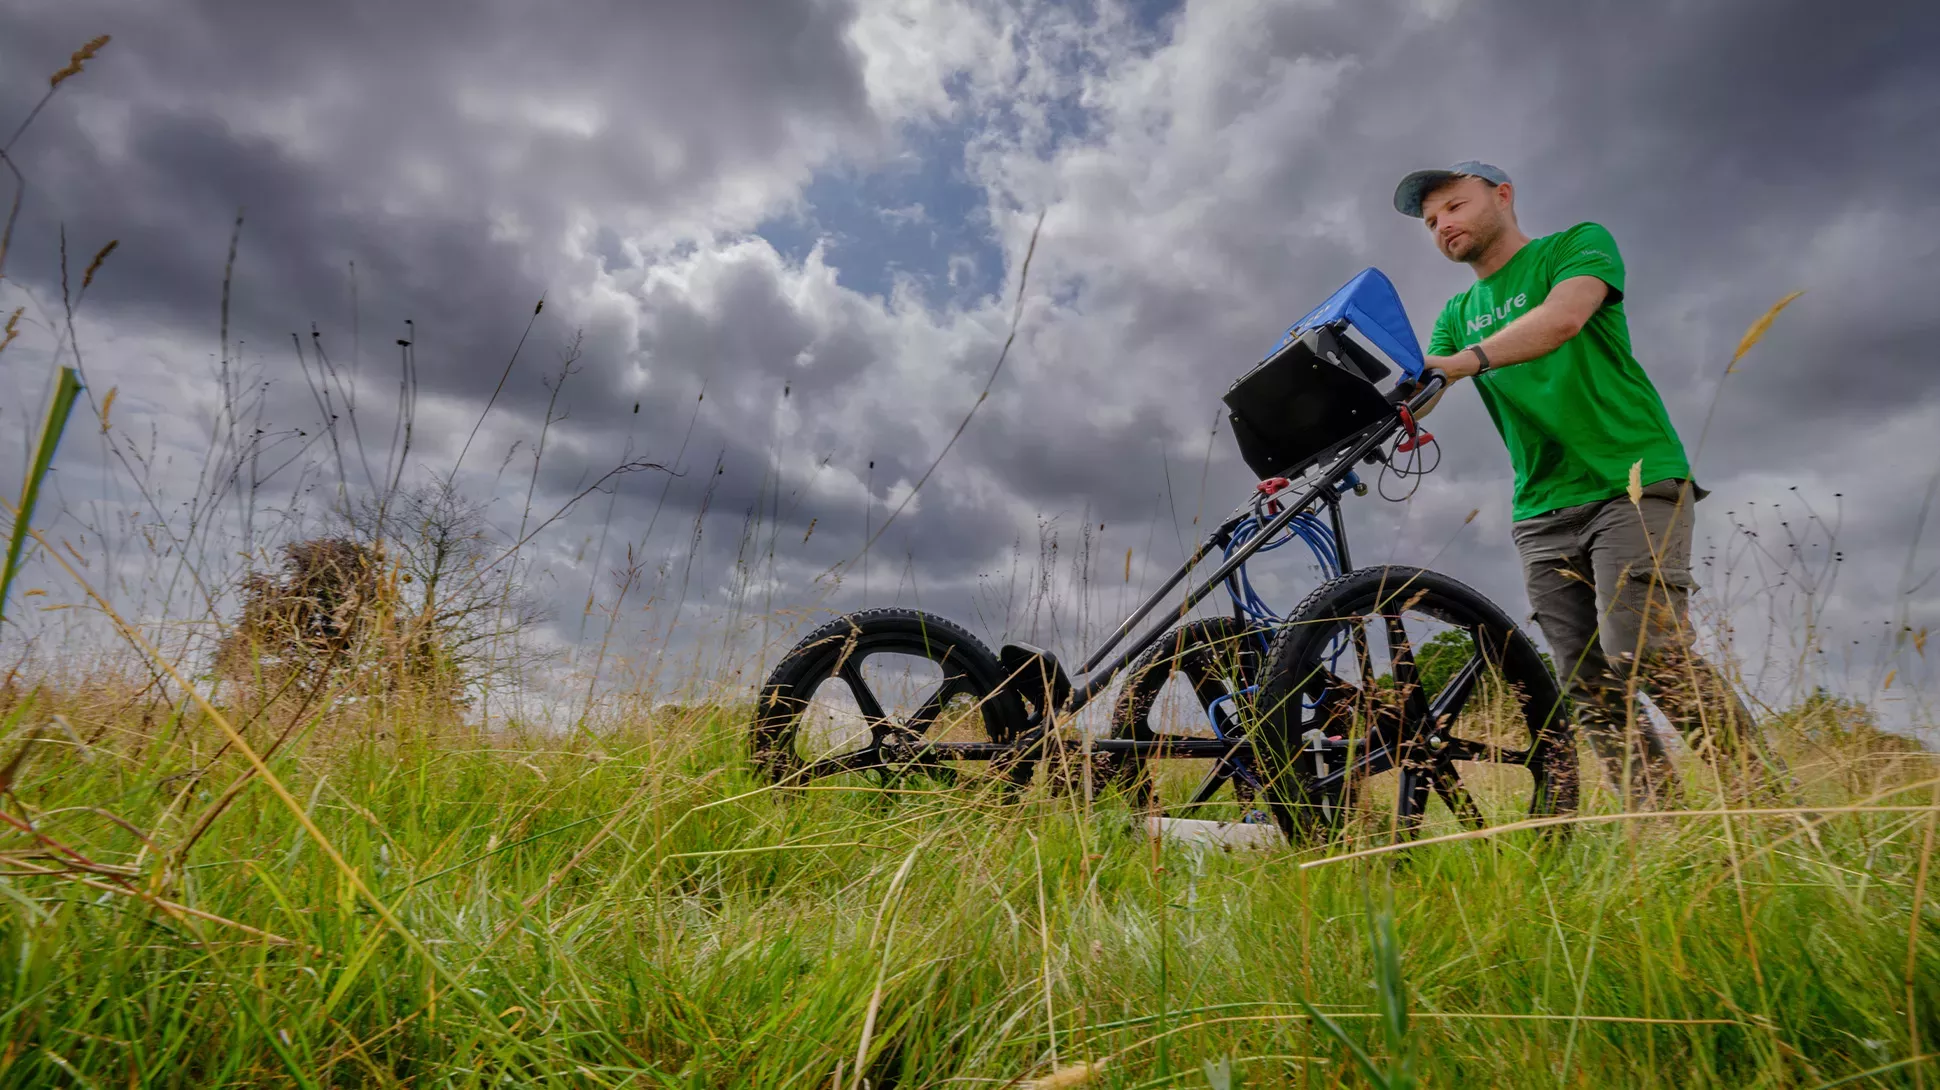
column 1758, row 329
column 94, row 266
column 80, row 57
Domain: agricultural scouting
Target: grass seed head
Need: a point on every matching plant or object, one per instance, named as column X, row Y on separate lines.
column 81, row 56
column 95, row 265
column 1758, row 329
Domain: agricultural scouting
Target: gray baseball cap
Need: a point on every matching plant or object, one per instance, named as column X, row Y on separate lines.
column 1408, row 195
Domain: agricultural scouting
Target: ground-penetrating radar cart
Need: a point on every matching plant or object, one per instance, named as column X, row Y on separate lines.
column 1386, row 689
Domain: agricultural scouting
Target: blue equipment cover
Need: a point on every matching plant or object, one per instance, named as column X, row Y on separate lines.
column 1370, row 304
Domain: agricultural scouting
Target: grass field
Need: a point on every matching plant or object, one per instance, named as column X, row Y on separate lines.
column 640, row 911
column 346, row 890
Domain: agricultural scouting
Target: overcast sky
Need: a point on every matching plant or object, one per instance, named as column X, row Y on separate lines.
column 789, row 232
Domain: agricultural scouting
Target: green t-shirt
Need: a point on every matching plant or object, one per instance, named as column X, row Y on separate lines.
column 1577, row 419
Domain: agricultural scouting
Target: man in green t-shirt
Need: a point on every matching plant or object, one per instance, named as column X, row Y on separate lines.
column 1542, row 335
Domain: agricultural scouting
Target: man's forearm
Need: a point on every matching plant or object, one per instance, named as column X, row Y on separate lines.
column 1531, row 336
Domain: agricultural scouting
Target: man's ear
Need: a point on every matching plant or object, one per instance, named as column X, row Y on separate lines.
column 1506, row 193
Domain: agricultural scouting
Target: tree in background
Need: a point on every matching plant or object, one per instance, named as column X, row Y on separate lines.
column 464, row 603
column 306, row 624
column 408, row 594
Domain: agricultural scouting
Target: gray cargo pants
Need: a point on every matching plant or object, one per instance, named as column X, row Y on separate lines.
column 1610, row 583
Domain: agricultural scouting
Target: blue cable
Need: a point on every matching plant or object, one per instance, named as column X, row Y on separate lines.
column 1316, row 535
column 1319, row 539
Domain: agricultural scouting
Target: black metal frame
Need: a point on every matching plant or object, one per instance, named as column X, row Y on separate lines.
column 1057, row 697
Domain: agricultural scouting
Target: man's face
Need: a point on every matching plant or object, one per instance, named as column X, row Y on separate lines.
column 1465, row 217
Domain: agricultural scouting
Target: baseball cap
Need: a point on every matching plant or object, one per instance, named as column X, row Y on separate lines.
column 1407, row 195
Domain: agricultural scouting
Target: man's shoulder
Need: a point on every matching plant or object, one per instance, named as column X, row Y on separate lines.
column 1586, row 235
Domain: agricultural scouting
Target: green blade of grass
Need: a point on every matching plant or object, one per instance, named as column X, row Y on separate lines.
column 1354, row 1049
column 1390, row 988
column 66, row 387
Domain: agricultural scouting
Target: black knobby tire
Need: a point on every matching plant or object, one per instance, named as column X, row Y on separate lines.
column 1301, row 692
column 837, row 650
column 1216, row 656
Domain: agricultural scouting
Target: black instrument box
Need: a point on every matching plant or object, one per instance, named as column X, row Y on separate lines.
column 1306, row 403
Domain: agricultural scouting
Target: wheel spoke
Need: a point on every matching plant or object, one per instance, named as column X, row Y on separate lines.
column 1401, row 662
column 1412, row 801
column 865, row 698
column 1363, row 656
column 1455, row 795
column 1449, row 703
column 925, row 715
column 1401, row 654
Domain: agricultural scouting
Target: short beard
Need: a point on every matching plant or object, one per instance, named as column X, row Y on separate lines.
column 1478, row 245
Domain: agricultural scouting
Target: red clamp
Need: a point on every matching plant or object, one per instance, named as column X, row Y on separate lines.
column 1417, row 435
column 1270, row 486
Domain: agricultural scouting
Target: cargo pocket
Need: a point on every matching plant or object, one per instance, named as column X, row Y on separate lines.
column 1678, row 577
column 1670, row 488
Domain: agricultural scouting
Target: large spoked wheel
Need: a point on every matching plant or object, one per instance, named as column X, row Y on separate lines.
column 861, row 695
column 1215, row 662
column 1393, row 689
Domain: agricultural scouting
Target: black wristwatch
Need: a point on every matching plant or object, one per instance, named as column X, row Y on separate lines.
column 1481, row 356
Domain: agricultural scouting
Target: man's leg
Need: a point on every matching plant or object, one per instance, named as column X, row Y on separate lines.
column 1560, row 578
column 1641, row 556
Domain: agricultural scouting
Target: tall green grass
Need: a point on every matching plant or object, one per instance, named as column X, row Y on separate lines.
column 644, row 913
column 67, row 385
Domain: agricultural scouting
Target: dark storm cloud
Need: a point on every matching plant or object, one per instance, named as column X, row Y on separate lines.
column 447, row 149
column 451, row 153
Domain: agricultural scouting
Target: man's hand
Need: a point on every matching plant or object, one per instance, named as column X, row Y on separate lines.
column 1461, row 365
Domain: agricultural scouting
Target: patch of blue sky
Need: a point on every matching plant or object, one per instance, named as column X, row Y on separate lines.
column 921, row 215
column 1153, row 16
column 918, row 215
